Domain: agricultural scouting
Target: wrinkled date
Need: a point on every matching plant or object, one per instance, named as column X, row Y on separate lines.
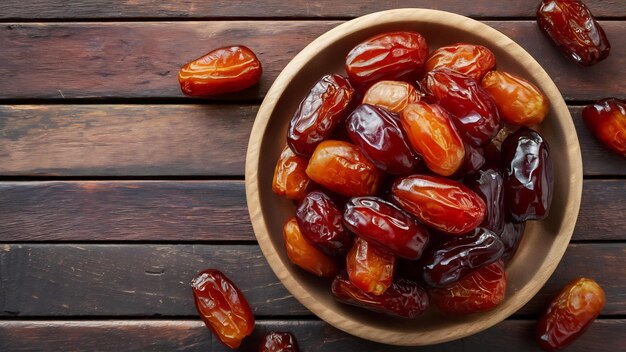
column 432, row 134
column 279, row 342
column 511, row 237
column 473, row 110
column 457, row 257
column 385, row 225
column 471, row 60
column 489, row 185
column 319, row 114
column 342, row 168
column 304, row 255
column 379, row 136
column 528, row 177
column 223, row 70
column 319, row 220
column 397, row 56
column 370, row 269
column 574, row 30
column 403, row 298
column 570, row 313
column 443, row 204
column 607, row 121
column 290, row 178
column 391, row 95
column 222, row 307
column 479, row 291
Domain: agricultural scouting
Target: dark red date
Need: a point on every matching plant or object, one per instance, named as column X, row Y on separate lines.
column 474, row 159
column 607, row 121
column 511, row 237
column 279, row 342
column 489, row 185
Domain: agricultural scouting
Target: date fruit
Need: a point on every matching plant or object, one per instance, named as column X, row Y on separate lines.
column 440, row 203
column 386, row 226
column 391, row 95
column 342, row 168
column 323, row 109
column 570, row 313
column 474, row 159
column 378, row 135
column 511, row 237
column 479, row 291
column 290, row 178
column 279, row 342
column 471, row 60
column 396, row 56
column 222, row 307
column 304, row 255
column 223, row 70
column 369, row 268
column 528, row 176
column 607, row 121
column 489, row 185
column 574, row 30
column 432, row 134
column 403, row 298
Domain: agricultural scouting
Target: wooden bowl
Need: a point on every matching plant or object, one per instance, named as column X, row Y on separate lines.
column 544, row 242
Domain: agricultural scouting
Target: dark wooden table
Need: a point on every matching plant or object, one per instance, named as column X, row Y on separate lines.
column 115, row 189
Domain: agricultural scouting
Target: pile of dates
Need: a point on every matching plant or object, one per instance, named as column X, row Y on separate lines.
column 413, row 176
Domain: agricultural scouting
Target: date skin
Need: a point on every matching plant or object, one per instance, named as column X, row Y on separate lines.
column 432, row 134
column 222, row 307
column 391, row 95
column 472, row 109
column 319, row 220
column 279, row 342
column 511, row 237
column 471, row 60
column 290, row 178
column 396, row 56
column 403, row 298
column 456, row 257
column 574, row 30
column 528, row 175
column 378, row 135
column 570, row 313
column 223, row 70
column 479, row 291
column 321, row 111
column 343, row 168
column 369, row 268
column 386, row 226
column 489, row 185
column 304, row 255
column 474, row 159
column 607, row 121
column 442, row 204
column 519, row 102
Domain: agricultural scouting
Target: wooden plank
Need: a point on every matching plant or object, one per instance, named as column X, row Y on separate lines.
column 148, row 280
column 192, row 335
column 162, row 140
column 141, row 59
column 14, row 9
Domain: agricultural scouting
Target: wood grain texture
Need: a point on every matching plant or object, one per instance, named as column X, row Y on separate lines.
column 141, row 59
column 95, row 9
column 153, row 280
column 312, row 335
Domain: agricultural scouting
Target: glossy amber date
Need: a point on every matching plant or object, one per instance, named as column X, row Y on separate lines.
column 440, row 203
column 431, row 133
column 279, row 342
column 304, row 255
column 222, row 307
column 511, row 237
column 396, row 56
column 456, row 257
column 574, row 30
column 342, row 168
column 519, row 102
column 489, row 185
column 378, row 135
column 607, row 121
column 391, row 95
column 528, row 176
column 319, row 220
column 570, row 313
column 386, row 226
column 223, row 70
column 290, row 178
column 479, row 291
column 403, row 298
column 323, row 109
column 472, row 109
column 469, row 59
column 369, row 268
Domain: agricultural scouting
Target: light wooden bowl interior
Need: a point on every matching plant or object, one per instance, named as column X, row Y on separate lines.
column 544, row 242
